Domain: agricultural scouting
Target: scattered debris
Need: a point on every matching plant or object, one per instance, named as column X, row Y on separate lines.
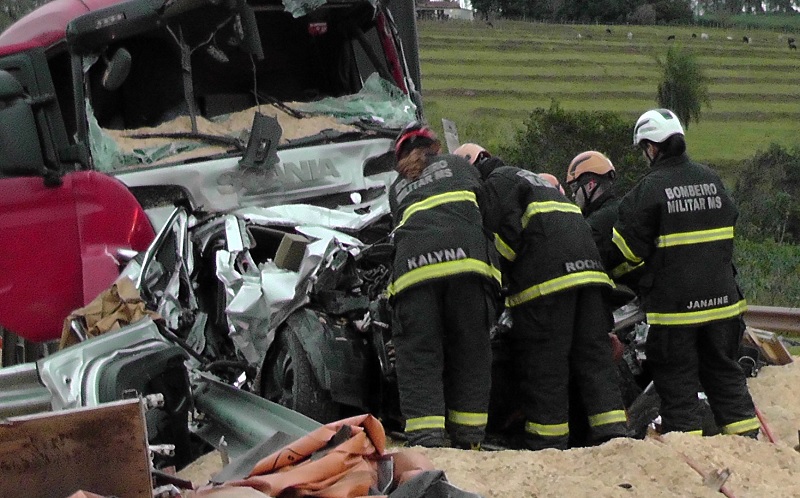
column 101, row 449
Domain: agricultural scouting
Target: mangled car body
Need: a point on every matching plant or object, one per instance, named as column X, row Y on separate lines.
column 219, row 104
column 235, row 312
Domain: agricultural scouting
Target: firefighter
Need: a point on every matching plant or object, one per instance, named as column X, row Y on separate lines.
column 553, row 181
column 556, row 288
column 590, row 178
column 443, row 293
column 680, row 221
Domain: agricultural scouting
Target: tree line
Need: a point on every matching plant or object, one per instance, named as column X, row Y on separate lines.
column 627, row 11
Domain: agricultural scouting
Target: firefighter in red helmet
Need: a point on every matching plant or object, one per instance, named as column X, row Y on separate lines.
column 443, row 293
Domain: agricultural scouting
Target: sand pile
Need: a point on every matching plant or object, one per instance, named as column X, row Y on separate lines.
column 627, row 468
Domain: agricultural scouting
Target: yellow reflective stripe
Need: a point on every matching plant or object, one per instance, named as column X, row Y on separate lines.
column 438, row 200
column 745, row 425
column 552, row 430
column 445, row 269
column 625, row 268
column 468, row 418
column 504, row 249
column 547, row 207
column 696, row 237
column 421, row 423
column 692, row 317
column 558, row 284
column 618, row 241
column 612, row 417
column 695, row 433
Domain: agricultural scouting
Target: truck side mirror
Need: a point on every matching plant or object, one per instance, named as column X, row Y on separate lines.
column 20, row 146
column 118, row 67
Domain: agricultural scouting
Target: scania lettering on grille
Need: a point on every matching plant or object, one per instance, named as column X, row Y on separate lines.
column 284, row 175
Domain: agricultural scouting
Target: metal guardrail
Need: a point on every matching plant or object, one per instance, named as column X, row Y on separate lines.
column 774, row 319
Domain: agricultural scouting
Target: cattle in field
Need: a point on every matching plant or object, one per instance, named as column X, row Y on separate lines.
column 694, row 35
column 704, row 36
column 630, row 35
column 746, row 39
column 792, row 46
column 670, row 37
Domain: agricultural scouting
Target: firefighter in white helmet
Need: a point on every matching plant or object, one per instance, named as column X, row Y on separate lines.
column 556, row 288
column 679, row 221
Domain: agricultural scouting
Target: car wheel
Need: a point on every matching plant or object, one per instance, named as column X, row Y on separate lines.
column 299, row 389
column 18, row 350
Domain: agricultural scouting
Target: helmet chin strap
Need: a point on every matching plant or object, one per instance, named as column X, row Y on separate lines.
column 653, row 157
column 588, row 194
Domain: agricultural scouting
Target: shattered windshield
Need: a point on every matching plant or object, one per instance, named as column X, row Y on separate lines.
column 189, row 90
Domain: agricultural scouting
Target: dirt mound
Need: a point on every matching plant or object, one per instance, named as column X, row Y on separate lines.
column 627, row 467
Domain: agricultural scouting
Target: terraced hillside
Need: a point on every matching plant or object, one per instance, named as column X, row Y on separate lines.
column 489, row 79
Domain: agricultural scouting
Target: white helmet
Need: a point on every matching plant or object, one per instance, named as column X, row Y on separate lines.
column 656, row 125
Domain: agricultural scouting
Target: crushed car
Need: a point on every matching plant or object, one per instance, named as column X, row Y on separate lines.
column 237, row 308
column 139, row 104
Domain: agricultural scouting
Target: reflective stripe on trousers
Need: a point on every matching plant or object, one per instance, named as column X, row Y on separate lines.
column 610, row 417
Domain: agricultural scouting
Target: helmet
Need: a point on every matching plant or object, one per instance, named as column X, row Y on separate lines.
column 589, row 162
column 656, row 126
column 471, row 152
column 552, row 180
column 412, row 131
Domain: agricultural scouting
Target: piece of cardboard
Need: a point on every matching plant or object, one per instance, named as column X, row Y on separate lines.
column 291, row 251
column 100, row 449
column 770, row 345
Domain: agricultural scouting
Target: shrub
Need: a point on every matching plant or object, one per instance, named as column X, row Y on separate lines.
column 550, row 138
column 683, row 87
column 769, row 273
column 766, row 191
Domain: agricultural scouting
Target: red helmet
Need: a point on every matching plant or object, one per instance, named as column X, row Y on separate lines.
column 412, row 131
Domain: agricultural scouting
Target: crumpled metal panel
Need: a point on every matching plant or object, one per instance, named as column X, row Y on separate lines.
column 248, row 315
column 259, row 299
column 305, row 214
column 72, row 375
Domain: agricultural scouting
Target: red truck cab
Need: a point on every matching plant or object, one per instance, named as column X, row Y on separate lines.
column 61, row 224
column 216, row 105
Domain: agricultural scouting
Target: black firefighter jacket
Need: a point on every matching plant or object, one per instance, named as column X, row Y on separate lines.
column 679, row 220
column 601, row 214
column 438, row 227
column 545, row 242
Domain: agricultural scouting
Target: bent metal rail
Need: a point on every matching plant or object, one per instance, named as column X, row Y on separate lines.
column 774, row 319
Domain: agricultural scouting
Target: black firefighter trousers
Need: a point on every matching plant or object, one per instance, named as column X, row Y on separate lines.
column 685, row 360
column 443, row 359
column 558, row 339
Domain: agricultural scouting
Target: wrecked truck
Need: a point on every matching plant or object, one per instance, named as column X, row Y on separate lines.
column 219, row 104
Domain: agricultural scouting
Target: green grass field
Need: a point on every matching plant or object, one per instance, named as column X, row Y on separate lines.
column 488, row 80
